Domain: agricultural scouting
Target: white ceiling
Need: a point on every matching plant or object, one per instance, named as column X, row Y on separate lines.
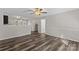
column 26, row 13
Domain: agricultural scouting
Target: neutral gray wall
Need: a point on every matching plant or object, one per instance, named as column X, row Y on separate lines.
column 10, row 31
column 65, row 25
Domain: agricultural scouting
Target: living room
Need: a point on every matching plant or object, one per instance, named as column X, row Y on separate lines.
column 59, row 23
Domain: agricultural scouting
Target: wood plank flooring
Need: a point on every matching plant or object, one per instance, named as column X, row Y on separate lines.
column 38, row 42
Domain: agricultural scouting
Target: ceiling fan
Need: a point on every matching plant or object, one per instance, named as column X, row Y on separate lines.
column 38, row 11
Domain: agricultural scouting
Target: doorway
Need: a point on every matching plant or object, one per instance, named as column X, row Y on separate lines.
column 38, row 26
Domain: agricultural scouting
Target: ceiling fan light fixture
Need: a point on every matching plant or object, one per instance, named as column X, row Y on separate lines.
column 38, row 13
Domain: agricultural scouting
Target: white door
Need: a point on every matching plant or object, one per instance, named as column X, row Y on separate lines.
column 43, row 22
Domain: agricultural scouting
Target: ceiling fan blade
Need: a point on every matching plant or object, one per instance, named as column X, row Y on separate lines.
column 43, row 12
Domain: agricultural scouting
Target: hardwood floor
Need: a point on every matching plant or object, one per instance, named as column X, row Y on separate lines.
column 38, row 42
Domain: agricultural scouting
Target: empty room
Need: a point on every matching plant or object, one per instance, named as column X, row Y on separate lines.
column 39, row 29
